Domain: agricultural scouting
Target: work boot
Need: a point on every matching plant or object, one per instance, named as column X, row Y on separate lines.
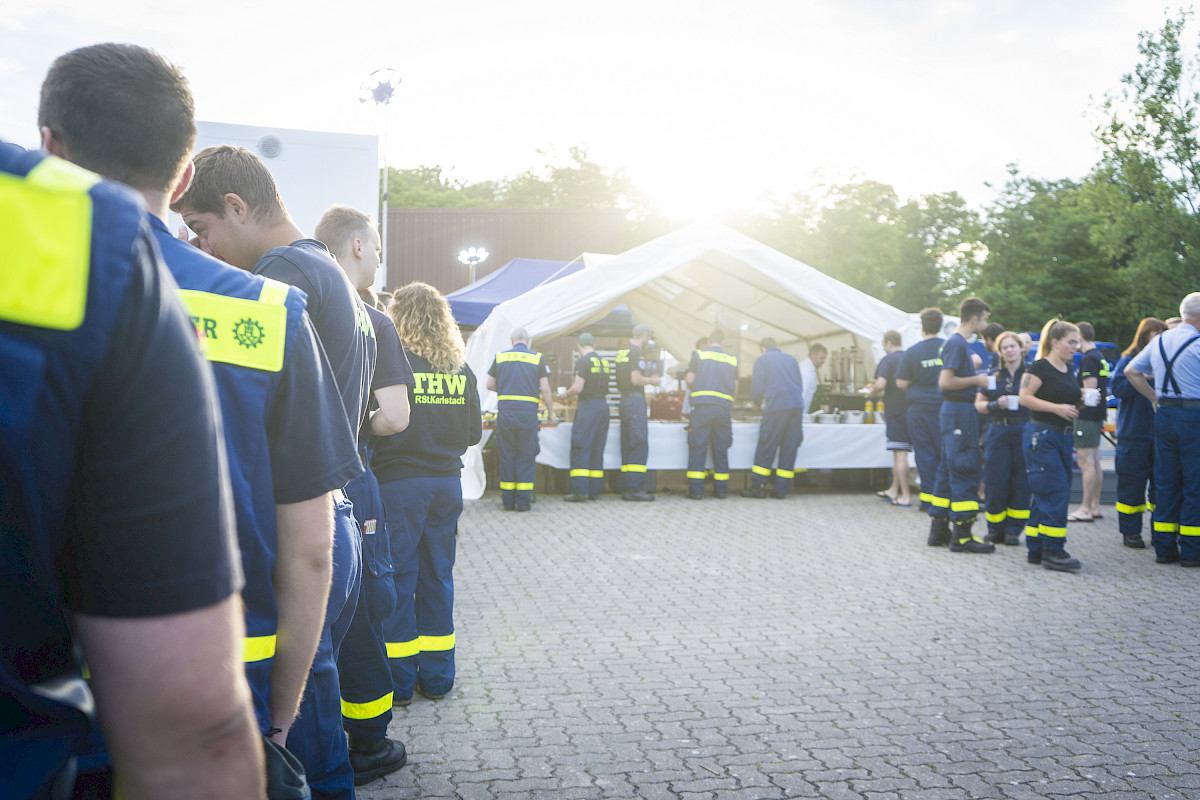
column 939, row 532
column 373, row 760
column 755, row 491
column 1060, row 561
column 637, row 495
column 575, row 498
column 994, row 537
column 961, row 541
column 1012, row 538
column 1133, row 540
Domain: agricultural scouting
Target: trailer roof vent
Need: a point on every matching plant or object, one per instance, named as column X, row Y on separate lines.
column 270, row 146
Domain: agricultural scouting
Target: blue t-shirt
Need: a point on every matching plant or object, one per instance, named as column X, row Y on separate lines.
column 956, row 356
column 1007, row 383
column 444, row 420
column 337, row 313
column 775, row 383
column 894, row 403
column 921, row 366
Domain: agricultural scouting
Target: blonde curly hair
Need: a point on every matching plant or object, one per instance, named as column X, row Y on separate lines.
column 427, row 327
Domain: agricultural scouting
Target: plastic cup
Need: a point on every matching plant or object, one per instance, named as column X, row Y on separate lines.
column 1091, row 397
column 991, row 383
column 1014, row 402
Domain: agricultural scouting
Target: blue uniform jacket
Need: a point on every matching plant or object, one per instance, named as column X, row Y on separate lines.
column 716, row 377
column 776, row 384
column 518, row 373
column 1135, row 415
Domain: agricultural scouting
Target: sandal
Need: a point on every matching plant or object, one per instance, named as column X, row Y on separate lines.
column 1077, row 518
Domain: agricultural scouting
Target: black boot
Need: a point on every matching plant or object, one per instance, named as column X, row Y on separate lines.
column 939, row 532
column 961, row 541
column 372, row 760
column 1060, row 561
column 755, row 491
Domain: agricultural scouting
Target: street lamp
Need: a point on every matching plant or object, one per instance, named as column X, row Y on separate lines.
column 378, row 88
column 472, row 256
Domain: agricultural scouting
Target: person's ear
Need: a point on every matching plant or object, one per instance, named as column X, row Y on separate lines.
column 236, row 206
column 51, row 143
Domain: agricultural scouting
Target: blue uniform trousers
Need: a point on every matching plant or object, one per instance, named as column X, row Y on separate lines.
column 710, row 425
column 1135, row 483
column 589, row 433
column 924, row 434
column 317, row 738
column 516, row 448
column 366, row 681
column 1048, row 465
column 1005, row 482
column 956, row 493
column 1177, row 482
column 780, row 432
column 423, row 513
column 635, row 442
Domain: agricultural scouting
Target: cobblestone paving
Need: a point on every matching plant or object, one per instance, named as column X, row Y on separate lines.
column 812, row 647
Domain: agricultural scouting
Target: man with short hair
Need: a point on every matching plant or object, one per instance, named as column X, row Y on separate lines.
column 518, row 375
column 234, row 208
column 712, row 375
column 632, row 381
column 895, row 413
column 817, row 353
column 363, row 671
column 1173, row 360
column 776, row 388
column 1027, row 352
column 917, row 376
column 273, row 380
column 988, row 336
column 956, row 501
column 589, row 431
column 1093, row 374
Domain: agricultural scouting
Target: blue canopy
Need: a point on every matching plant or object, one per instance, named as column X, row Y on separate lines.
column 472, row 304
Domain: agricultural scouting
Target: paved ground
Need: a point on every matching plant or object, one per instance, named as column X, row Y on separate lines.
column 813, row 647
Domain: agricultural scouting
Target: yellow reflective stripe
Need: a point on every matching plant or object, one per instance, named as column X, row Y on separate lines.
column 706, row 393
column 595, row 473
column 1125, row 508
column 1189, row 530
column 997, row 517
column 1052, row 532
column 785, row 473
column 964, row 505
column 1018, row 513
column 46, row 245
column 925, row 497
column 524, row 487
column 274, row 293
column 711, row 355
column 1149, row 506
column 402, row 649
column 429, row 644
column 580, row 473
column 720, row 476
column 506, row 485
column 369, row 710
column 1031, row 532
column 939, row 502
column 757, row 470
column 246, row 333
column 517, row 355
column 258, row 648
column 696, row 476
column 1166, row 527
column 518, row 397
column 633, row 468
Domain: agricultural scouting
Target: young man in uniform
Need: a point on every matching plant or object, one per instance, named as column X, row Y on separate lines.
column 958, row 473
column 273, row 381
column 895, row 411
column 1093, row 374
column 712, row 375
column 100, row 510
column 363, row 672
column 518, row 375
column 917, row 376
column 233, row 207
column 631, row 382
column 589, row 433
column 776, row 388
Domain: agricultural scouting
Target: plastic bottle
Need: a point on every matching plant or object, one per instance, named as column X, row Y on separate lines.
column 869, row 412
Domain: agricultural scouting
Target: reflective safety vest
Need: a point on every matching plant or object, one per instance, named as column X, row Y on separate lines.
column 519, row 373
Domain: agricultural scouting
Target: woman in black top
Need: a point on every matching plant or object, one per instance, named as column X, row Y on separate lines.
column 1050, row 392
column 1006, row 486
column 419, row 473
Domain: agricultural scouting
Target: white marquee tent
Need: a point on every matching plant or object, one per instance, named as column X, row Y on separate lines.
column 684, row 284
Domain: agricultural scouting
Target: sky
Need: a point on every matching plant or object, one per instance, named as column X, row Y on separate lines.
column 711, row 107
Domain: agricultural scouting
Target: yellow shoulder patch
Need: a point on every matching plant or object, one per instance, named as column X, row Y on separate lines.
column 246, row 333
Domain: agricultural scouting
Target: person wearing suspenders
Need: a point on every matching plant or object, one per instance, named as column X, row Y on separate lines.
column 1174, row 363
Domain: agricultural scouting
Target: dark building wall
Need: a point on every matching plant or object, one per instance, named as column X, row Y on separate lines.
column 424, row 243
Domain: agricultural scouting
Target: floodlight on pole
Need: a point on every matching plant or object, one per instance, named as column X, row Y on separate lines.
column 472, row 256
column 379, row 88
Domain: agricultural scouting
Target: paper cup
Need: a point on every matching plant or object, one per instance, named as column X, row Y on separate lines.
column 1091, row 397
column 1014, row 402
column 991, row 383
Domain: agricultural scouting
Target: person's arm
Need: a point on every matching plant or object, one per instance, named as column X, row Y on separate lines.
column 1029, row 386
column 1141, row 384
column 981, row 403
column 491, row 383
column 547, row 397
column 878, row 387
column 174, row 703
column 392, row 414
column 949, row 382
column 902, row 384
column 690, row 378
column 303, row 570
column 475, row 422
column 638, row 379
column 575, row 388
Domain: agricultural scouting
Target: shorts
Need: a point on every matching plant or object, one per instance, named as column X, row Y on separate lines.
column 1087, row 433
column 897, row 433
